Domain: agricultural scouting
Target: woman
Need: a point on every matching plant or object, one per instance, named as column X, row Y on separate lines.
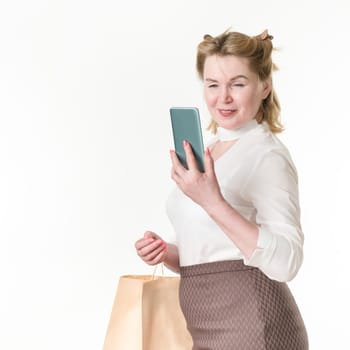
column 238, row 233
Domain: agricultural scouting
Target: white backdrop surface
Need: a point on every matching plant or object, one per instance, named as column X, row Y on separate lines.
column 85, row 88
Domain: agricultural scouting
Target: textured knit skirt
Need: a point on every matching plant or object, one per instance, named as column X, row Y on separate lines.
column 231, row 306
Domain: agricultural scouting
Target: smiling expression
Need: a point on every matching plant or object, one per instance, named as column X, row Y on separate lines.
column 233, row 93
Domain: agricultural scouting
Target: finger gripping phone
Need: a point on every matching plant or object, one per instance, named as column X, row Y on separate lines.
column 186, row 125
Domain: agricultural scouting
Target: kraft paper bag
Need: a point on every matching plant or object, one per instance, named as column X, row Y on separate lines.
column 146, row 315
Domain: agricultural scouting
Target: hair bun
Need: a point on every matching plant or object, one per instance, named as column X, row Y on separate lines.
column 264, row 35
column 207, row 37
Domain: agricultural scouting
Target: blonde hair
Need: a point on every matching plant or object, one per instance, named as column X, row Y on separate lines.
column 257, row 50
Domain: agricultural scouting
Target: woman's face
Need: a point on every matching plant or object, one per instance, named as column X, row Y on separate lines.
column 233, row 93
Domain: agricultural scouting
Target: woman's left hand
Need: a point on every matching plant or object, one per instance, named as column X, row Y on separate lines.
column 201, row 187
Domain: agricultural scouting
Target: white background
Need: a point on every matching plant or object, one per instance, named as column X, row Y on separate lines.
column 85, row 88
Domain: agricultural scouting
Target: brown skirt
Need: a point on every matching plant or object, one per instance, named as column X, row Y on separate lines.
column 231, row 306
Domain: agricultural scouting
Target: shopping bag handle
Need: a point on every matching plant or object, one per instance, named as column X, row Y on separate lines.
column 155, row 271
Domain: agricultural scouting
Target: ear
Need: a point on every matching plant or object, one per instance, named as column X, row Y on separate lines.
column 267, row 88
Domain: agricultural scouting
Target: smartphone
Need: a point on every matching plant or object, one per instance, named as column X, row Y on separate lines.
column 186, row 125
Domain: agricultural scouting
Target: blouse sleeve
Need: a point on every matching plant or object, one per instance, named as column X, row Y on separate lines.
column 272, row 189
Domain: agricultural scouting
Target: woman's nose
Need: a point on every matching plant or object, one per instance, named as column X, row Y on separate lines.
column 226, row 96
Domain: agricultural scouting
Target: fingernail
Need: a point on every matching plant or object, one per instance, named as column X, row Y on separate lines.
column 185, row 142
column 207, row 151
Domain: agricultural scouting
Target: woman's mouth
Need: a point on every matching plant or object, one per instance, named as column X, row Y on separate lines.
column 227, row 112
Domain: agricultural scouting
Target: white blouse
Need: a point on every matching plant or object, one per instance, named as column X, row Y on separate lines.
column 258, row 178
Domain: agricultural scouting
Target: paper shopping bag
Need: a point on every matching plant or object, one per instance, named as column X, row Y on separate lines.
column 146, row 315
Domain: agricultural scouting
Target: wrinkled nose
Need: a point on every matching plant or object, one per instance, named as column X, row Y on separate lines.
column 226, row 96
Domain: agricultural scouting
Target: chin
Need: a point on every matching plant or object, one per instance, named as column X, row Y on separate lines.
column 230, row 125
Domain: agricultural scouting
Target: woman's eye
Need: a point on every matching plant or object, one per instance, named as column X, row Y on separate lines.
column 238, row 84
column 213, row 85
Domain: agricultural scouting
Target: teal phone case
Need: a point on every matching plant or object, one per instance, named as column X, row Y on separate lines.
column 186, row 125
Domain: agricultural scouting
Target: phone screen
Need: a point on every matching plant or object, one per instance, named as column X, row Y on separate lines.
column 186, row 125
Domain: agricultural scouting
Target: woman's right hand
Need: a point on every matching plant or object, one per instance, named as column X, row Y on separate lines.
column 151, row 248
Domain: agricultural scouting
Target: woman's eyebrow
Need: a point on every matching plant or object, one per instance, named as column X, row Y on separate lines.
column 240, row 76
